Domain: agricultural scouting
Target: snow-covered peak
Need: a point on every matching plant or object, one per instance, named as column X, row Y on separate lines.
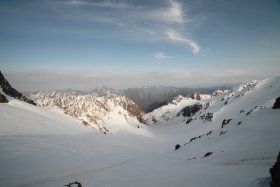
column 101, row 112
column 240, row 100
column 200, row 96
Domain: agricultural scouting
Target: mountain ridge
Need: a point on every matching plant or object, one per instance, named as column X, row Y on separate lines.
column 8, row 90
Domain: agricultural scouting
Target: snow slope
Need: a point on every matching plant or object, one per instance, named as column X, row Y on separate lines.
column 167, row 112
column 43, row 147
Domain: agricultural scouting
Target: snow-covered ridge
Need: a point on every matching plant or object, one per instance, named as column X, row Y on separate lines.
column 168, row 112
column 211, row 106
column 105, row 110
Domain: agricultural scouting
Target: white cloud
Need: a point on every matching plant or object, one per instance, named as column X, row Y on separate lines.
column 162, row 23
column 161, row 56
column 104, row 4
column 177, row 37
column 169, row 15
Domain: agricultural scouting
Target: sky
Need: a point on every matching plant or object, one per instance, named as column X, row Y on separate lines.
column 82, row 44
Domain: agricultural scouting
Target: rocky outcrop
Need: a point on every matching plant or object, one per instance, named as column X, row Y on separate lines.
column 225, row 122
column 217, row 93
column 277, row 103
column 207, row 154
column 199, row 96
column 10, row 91
column 74, row 184
column 207, row 117
column 275, row 173
column 177, row 146
column 3, row 99
column 189, row 111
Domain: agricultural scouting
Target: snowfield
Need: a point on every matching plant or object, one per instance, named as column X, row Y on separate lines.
column 43, row 147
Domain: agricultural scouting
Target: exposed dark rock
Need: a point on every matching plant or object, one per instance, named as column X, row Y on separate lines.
column 225, row 122
column 192, row 139
column 197, row 137
column 9, row 90
column 74, row 184
column 206, row 117
column 222, row 132
column 209, row 117
column 227, row 101
column 191, row 158
column 239, row 123
column 277, row 103
column 207, row 154
column 275, row 173
column 3, row 99
column 177, row 147
column 85, row 123
column 248, row 113
column 189, row 120
column 189, row 111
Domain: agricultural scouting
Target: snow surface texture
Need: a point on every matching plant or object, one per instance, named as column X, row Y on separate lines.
column 44, row 147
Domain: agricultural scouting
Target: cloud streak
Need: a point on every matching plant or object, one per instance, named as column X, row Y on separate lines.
column 166, row 22
column 177, row 37
column 161, row 56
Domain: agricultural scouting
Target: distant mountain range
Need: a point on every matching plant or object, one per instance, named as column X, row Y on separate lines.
column 150, row 98
column 104, row 107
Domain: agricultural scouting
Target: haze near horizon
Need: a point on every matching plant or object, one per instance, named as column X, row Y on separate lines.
column 81, row 44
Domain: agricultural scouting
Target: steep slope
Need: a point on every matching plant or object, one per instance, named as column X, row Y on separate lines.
column 105, row 109
column 168, row 112
column 179, row 105
column 7, row 89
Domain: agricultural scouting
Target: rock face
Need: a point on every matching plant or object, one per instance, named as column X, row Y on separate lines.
column 10, row 91
column 188, row 111
column 277, row 103
column 275, row 173
column 3, row 99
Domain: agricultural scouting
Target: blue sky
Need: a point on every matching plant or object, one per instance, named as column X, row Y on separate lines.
column 83, row 44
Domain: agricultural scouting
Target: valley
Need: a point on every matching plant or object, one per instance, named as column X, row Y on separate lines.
column 232, row 140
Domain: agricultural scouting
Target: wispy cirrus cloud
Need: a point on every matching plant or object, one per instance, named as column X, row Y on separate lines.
column 161, row 56
column 167, row 22
column 102, row 4
column 177, row 37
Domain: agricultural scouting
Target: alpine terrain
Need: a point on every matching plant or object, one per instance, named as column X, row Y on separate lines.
column 104, row 109
column 229, row 138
